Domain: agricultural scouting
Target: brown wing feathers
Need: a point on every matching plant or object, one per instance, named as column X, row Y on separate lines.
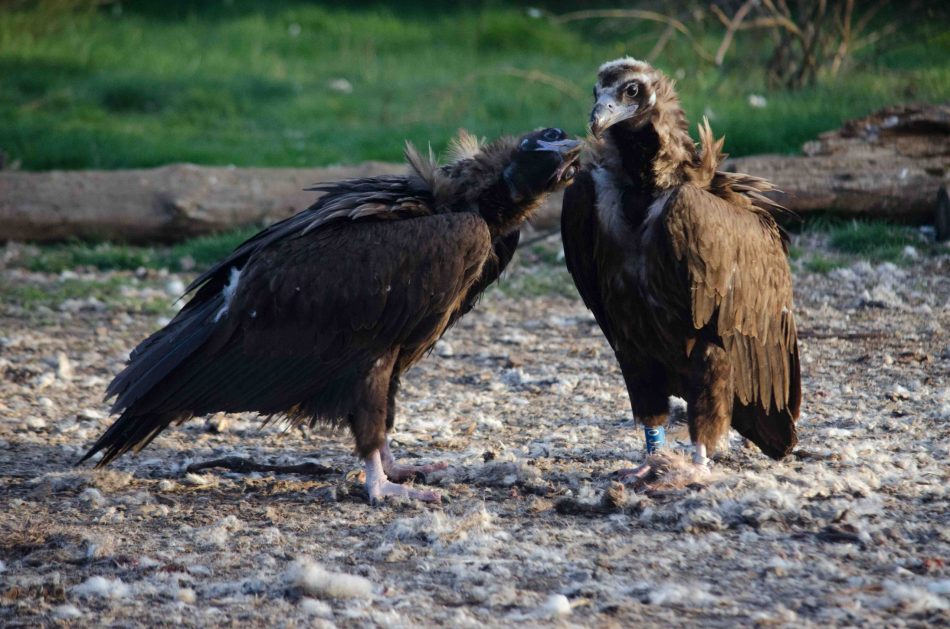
column 740, row 285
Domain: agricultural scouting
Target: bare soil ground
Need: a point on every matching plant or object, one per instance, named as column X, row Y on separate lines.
column 523, row 399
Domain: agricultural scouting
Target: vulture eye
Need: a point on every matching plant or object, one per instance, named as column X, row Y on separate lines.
column 632, row 90
column 552, row 135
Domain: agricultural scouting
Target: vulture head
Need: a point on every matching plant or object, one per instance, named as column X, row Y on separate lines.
column 506, row 180
column 543, row 161
column 626, row 91
column 637, row 118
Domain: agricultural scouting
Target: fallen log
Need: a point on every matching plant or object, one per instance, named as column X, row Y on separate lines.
column 164, row 204
column 888, row 165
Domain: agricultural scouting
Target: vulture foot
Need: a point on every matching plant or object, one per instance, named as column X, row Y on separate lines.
column 378, row 486
column 399, row 473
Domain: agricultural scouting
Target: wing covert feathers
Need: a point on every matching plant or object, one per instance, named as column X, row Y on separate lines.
column 740, row 288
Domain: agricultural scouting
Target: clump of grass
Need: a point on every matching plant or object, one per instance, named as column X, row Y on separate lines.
column 874, row 240
column 32, row 296
column 192, row 255
column 537, row 281
column 818, row 263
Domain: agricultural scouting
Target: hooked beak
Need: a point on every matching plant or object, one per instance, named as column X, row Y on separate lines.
column 564, row 148
column 569, row 152
column 606, row 113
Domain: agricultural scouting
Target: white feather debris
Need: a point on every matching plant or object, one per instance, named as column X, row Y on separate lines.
column 555, row 605
column 911, row 599
column 676, row 593
column 92, row 496
column 66, row 612
column 315, row 580
column 219, row 533
column 228, row 292
column 197, row 480
column 101, row 587
column 314, row 607
column 473, row 531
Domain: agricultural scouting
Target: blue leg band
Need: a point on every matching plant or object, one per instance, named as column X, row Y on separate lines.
column 655, row 438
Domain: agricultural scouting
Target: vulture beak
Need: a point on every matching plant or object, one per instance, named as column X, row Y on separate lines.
column 607, row 112
column 568, row 150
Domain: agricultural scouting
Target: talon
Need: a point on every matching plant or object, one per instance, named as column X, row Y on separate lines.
column 399, row 473
column 378, row 485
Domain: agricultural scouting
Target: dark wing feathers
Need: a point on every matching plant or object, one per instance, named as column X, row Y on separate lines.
column 503, row 249
column 740, row 289
column 388, row 196
column 309, row 311
column 578, row 226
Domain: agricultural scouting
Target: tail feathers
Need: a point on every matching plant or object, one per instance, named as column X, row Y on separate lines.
column 772, row 431
column 158, row 355
column 130, row 431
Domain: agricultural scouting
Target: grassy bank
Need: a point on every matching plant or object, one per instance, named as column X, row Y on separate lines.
column 290, row 83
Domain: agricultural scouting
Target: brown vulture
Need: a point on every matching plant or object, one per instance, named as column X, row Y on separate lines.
column 316, row 317
column 684, row 269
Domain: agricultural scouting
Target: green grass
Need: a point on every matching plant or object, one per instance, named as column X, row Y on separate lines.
column 875, row 240
column 31, row 296
column 247, row 82
column 818, row 263
column 842, row 243
column 195, row 254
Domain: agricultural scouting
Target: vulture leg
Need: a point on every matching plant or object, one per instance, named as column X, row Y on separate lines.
column 395, row 471
column 368, row 422
column 649, row 400
column 709, row 402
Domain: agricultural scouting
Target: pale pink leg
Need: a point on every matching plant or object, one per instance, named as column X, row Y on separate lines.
column 378, row 486
column 399, row 473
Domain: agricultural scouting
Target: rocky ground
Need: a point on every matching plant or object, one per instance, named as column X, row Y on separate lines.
column 524, row 401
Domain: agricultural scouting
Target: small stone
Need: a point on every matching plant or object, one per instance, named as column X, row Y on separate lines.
column 35, row 423
column 64, row 368
column 186, row 595
column 217, row 424
column 556, row 605
column 166, row 485
column 44, row 381
column 90, row 414
column 341, row 85
column 175, row 287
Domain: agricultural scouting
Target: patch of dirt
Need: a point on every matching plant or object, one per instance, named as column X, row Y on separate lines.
column 525, row 402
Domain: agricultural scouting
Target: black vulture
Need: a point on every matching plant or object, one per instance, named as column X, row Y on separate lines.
column 684, row 268
column 316, row 317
